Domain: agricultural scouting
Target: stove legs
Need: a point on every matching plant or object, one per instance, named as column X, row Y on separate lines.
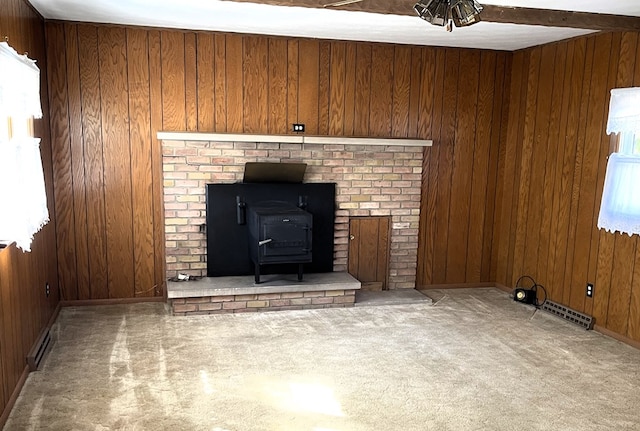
column 257, row 272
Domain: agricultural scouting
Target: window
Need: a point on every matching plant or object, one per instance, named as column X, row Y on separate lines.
column 23, row 209
column 629, row 143
column 16, row 127
column 620, row 205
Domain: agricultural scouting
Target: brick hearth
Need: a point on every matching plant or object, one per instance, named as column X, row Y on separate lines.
column 217, row 295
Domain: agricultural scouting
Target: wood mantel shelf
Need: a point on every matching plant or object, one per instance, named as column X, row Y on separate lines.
column 290, row 139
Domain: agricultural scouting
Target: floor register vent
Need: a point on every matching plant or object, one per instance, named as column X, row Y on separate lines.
column 569, row 314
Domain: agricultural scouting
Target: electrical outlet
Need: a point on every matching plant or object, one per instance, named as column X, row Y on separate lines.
column 298, row 128
column 590, row 290
column 47, row 289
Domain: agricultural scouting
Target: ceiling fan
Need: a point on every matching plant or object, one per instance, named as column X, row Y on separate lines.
column 443, row 13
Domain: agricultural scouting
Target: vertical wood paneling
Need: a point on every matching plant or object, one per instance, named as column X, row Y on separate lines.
column 324, row 100
column 621, row 280
column 526, row 152
column 535, row 196
column 594, row 138
column 293, row 73
column 580, row 255
column 423, row 114
column 517, row 161
column 93, row 160
column 623, row 78
column 255, row 72
column 220, row 84
column 463, row 157
column 633, row 328
column 117, row 160
column 585, row 52
column 10, row 348
column 381, row 103
column 415, row 88
column 498, row 136
column 553, row 153
column 565, row 258
column 401, row 89
column 362, row 90
column 77, row 163
column 562, row 172
column 62, row 169
column 155, row 102
column 350, row 89
column 433, row 72
column 561, row 203
column 4, row 381
column 173, row 82
column 205, row 82
column 141, row 169
column 308, row 85
column 622, row 275
column 445, row 162
column 234, row 83
column 337, row 88
column 277, row 97
column 191, row 82
column 24, row 307
column 480, row 200
column 607, row 145
column 508, row 167
column 20, row 302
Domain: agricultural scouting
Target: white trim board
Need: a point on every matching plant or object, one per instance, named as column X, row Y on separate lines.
column 290, row 139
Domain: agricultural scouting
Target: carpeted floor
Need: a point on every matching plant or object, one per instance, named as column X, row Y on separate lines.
column 472, row 360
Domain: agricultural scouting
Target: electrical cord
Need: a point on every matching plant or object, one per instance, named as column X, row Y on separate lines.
column 545, row 295
column 533, row 282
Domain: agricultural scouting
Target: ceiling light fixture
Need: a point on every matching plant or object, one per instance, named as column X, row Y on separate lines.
column 446, row 13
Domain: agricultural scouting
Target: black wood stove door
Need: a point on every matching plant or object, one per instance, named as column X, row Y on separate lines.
column 295, row 243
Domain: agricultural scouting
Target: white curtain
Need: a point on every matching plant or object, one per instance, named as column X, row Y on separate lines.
column 23, row 202
column 22, row 192
column 620, row 206
column 624, row 110
column 19, row 85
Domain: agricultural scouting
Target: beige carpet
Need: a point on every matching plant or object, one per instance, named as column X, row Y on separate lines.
column 474, row 360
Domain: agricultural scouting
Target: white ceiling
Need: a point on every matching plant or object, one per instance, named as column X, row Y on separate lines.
column 228, row 16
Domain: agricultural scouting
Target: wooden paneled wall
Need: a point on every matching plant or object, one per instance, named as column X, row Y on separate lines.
column 551, row 174
column 24, row 307
column 468, row 121
column 510, row 187
column 113, row 88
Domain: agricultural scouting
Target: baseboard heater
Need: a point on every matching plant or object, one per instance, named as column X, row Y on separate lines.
column 35, row 356
column 569, row 314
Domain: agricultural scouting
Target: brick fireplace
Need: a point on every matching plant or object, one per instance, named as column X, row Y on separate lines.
column 374, row 178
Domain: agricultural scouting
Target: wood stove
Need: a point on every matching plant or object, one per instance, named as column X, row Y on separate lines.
column 268, row 223
column 279, row 233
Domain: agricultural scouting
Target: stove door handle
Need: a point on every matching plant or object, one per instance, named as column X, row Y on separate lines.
column 264, row 241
